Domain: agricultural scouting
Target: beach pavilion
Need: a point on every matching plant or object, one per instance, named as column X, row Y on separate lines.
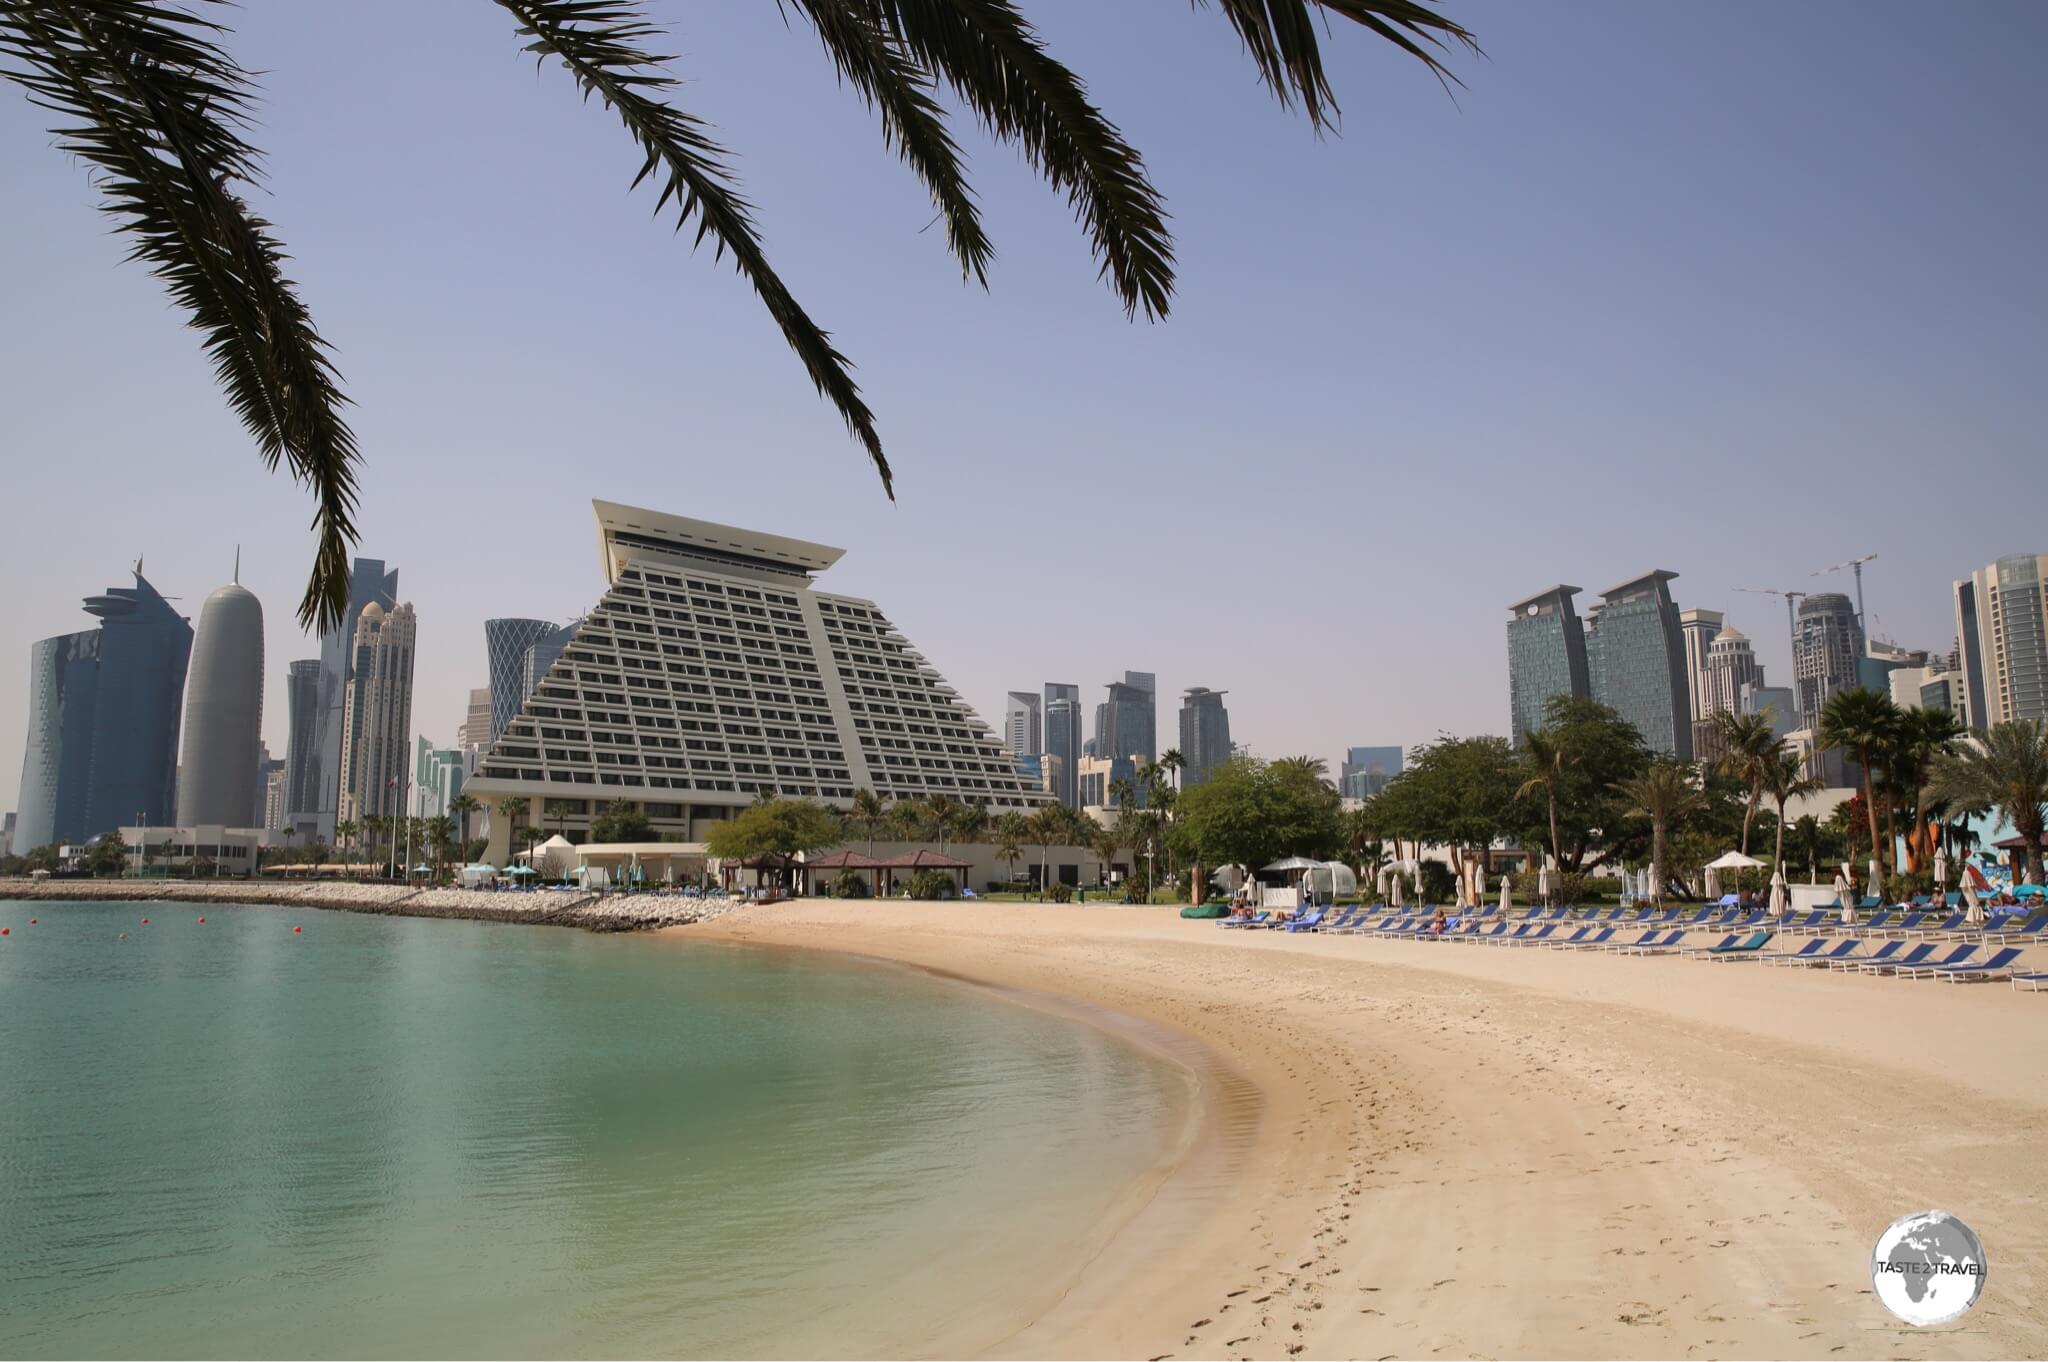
column 834, row 861
column 632, row 863
column 923, row 860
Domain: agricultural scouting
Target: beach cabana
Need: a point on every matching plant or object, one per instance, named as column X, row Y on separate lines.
column 639, row 862
column 832, row 862
column 923, row 860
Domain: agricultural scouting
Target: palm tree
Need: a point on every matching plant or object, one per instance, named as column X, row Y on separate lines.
column 345, row 833
column 2005, row 769
column 1105, row 842
column 1048, row 826
column 512, row 808
column 156, row 107
column 1012, row 832
column 870, row 811
column 1807, row 837
column 557, row 809
column 1547, row 760
column 462, row 806
column 1783, row 777
column 1868, row 722
column 939, row 811
column 1173, row 763
column 1748, row 742
column 1664, row 794
column 438, row 830
column 968, row 821
column 1310, row 766
column 1925, row 735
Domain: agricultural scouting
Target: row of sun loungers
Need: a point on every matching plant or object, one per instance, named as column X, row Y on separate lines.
column 1902, row 947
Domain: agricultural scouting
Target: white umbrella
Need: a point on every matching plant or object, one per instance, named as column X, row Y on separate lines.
column 1941, row 865
column 1543, row 883
column 1478, row 885
column 1380, row 882
column 1507, row 894
column 1713, row 882
column 1975, row 915
column 1394, row 897
column 1780, row 897
column 1876, row 881
column 1654, row 890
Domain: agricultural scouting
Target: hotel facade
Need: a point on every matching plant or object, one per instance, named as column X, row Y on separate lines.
column 713, row 672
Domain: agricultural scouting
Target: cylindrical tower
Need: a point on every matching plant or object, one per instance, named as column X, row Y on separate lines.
column 223, row 713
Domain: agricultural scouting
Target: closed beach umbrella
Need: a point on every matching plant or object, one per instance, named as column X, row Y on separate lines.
column 1394, row 894
column 1940, row 866
column 1780, row 897
column 1876, row 881
column 1543, row 883
column 1654, row 892
column 1507, row 894
column 1713, row 883
column 1975, row 906
column 1478, row 885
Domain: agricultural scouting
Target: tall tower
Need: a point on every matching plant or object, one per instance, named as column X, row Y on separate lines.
column 1636, row 660
column 1546, row 656
column 377, row 716
column 368, row 584
column 1204, row 734
column 1063, row 740
column 223, row 713
column 302, row 716
column 1023, row 731
column 1699, row 628
column 2002, row 631
column 1827, row 646
column 506, row 643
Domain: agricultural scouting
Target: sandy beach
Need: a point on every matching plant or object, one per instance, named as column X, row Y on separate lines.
column 1415, row 1150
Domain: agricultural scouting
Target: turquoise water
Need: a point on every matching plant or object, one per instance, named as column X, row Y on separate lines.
column 386, row 1137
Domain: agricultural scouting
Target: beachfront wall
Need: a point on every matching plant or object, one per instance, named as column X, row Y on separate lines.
column 1069, row 865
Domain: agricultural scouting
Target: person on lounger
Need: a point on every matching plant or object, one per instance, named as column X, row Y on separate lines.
column 1438, row 923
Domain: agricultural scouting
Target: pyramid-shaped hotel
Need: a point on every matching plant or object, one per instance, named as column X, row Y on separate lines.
column 714, row 672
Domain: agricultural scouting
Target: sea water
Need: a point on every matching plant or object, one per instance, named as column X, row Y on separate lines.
column 393, row 1137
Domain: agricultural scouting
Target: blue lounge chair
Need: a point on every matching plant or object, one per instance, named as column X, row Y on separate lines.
column 1926, row 970
column 1806, row 952
column 2029, row 983
column 1599, row 938
column 1913, row 956
column 1648, row 938
column 1842, row 950
column 1258, row 921
column 1997, row 967
column 1307, row 922
column 1734, row 948
column 1673, row 944
column 1883, row 953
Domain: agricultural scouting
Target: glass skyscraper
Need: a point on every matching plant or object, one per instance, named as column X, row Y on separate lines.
column 1635, row 659
column 1367, row 770
column 302, row 714
column 1827, row 652
column 506, row 644
column 1546, row 656
column 2002, row 625
column 1063, row 739
column 1023, row 731
column 369, row 584
column 1204, row 734
column 104, row 707
column 1127, row 723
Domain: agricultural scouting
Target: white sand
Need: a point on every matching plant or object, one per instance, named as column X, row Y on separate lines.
column 1431, row 1150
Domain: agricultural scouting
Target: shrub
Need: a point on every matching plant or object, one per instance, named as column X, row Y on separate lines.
column 932, row 884
column 1061, row 892
column 849, row 884
column 1439, row 885
column 1572, row 890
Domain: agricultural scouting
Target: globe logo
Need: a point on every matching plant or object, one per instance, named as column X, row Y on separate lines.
column 1927, row 1268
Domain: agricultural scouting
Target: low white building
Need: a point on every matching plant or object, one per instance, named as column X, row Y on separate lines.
column 205, row 848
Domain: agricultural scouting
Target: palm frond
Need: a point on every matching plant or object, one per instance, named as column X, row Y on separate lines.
column 992, row 58
column 600, row 43
column 902, row 93
column 158, row 109
column 1280, row 36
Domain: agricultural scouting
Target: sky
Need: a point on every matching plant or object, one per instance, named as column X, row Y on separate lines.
column 1734, row 291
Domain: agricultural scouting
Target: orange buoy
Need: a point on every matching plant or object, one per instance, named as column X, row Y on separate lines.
column 295, row 929
column 5, row 930
column 202, row 920
column 32, row 922
column 145, row 922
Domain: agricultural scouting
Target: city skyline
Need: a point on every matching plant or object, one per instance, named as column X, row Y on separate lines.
column 1756, row 355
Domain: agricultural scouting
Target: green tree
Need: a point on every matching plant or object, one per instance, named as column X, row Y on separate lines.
column 1172, row 763
column 2005, row 769
column 439, row 830
column 109, row 855
column 1866, row 723
column 557, row 810
column 1252, row 812
column 1012, row 835
column 1053, row 825
column 1924, row 737
column 1783, row 777
column 1748, row 742
column 621, row 822
column 1664, row 794
column 1604, row 749
column 870, row 814
column 775, row 827
column 152, row 102
column 460, row 808
column 513, row 809
column 345, row 832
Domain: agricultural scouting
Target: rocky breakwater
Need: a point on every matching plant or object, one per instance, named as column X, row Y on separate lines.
column 540, row 907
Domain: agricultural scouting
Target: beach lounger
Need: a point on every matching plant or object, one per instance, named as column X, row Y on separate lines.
column 1914, row 955
column 1997, row 967
column 1599, row 938
column 1521, row 932
column 1258, row 921
column 1734, row 948
column 1547, row 935
column 1926, row 969
column 1883, row 953
column 1806, row 952
column 2029, row 983
column 1308, row 922
column 1648, row 938
column 1842, row 950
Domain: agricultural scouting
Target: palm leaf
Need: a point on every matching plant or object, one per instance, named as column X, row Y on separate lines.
column 600, row 43
column 158, row 109
column 902, row 93
column 1280, row 36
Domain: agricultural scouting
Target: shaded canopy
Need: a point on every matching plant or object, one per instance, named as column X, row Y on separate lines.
column 920, row 860
column 845, row 860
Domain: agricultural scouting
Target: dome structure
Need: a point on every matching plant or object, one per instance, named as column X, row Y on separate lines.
column 373, row 611
column 1730, row 634
column 223, row 713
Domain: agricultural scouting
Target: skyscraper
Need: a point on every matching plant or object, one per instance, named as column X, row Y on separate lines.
column 1367, row 770
column 1546, row 656
column 1127, row 723
column 102, row 748
column 1204, row 734
column 540, row 656
column 505, row 644
column 377, row 716
column 368, row 584
column 2002, row 626
column 1063, row 740
column 1827, row 645
column 1699, row 629
column 302, row 715
column 224, row 714
column 1023, row 728
column 475, row 728
column 1635, row 659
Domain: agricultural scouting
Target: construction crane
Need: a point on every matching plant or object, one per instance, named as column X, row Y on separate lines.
column 1792, row 598
column 1857, row 564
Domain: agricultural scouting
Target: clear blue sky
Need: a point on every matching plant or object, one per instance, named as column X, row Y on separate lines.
column 1737, row 291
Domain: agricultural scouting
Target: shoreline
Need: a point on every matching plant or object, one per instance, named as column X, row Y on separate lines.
column 1519, row 1153
column 538, row 908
